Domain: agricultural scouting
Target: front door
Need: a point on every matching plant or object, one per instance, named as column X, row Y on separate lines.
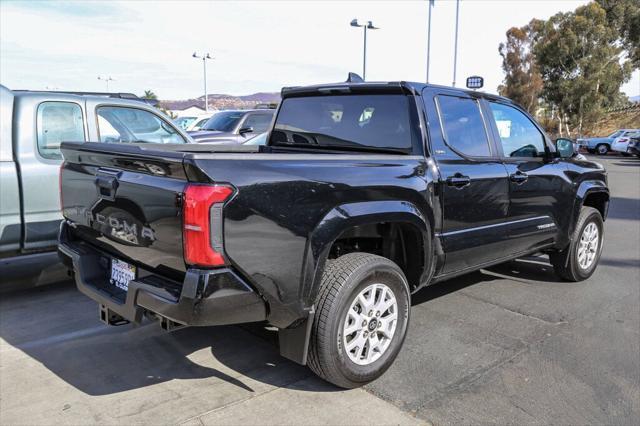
column 474, row 188
column 537, row 182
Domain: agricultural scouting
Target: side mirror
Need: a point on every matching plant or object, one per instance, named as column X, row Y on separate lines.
column 244, row 130
column 564, row 147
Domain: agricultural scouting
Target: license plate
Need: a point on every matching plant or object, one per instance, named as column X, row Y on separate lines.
column 122, row 273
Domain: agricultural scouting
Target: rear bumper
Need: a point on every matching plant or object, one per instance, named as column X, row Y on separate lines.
column 205, row 297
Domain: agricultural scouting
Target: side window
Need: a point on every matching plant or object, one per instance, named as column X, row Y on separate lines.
column 58, row 122
column 123, row 124
column 462, row 126
column 518, row 135
column 259, row 122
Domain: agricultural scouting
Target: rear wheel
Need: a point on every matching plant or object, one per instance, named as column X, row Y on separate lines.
column 362, row 313
column 578, row 261
column 602, row 149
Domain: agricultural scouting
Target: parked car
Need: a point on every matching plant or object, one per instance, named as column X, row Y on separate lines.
column 186, row 121
column 621, row 143
column 233, row 126
column 33, row 125
column 633, row 147
column 198, row 123
column 364, row 194
column 602, row 146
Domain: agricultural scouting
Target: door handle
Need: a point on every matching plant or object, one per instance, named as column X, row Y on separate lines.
column 458, row 180
column 518, row 177
column 106, row 184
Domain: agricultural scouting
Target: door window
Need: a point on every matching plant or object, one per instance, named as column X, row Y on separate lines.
column 122, row 124
column 462, row 126
column 58, row 122
column 518, row 135
column 259, row 122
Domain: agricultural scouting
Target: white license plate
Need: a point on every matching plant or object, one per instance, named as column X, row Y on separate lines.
column 122, row 273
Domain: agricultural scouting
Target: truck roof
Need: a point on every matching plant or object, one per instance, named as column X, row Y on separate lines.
column 124, row 98
column 378, row 86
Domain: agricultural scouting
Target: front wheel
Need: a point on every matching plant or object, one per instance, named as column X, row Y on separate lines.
column 602, row 149
column 579, row 261
column 362, row 314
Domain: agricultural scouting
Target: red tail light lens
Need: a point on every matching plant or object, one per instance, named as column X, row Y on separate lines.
column 202, row 224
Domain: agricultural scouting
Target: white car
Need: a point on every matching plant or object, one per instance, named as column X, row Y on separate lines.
column 621, row 143
column 196, row 124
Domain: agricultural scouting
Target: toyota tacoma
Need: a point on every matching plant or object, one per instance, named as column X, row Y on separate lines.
column 363, row 194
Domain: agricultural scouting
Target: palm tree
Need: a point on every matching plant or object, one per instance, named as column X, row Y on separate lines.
column 148, row 94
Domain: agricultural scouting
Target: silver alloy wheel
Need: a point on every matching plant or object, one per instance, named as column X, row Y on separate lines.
column 588, row 246
column 602, row 149
column 370, row 324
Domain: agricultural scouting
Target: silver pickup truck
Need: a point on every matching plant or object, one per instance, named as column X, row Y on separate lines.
column 32, row 125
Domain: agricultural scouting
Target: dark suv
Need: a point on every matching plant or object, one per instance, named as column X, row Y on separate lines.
column 364, row 194
column 234, row 126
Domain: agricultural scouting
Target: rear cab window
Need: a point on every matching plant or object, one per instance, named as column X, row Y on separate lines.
column 58, row 122
column 354, row 122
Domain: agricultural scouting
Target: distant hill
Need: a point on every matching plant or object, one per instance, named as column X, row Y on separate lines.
column 222, row 101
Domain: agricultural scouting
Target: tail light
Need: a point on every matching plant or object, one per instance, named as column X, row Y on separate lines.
column 202, row 224
column 60, row 188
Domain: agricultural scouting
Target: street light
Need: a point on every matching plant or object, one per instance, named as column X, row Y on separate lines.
column 455, row 46
column 106, row 80
column 204, row 58
column 367, row 26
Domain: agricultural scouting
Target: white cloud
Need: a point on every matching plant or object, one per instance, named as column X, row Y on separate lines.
column 258, row 46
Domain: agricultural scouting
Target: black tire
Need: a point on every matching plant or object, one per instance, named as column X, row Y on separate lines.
column 602, row 149
column 565, row 262
column 342, row 280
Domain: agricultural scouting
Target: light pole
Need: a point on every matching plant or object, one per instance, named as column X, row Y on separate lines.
column 455, row 46
column 204, row 58
column 431, row 4
column 367, row 26
column 106, row 80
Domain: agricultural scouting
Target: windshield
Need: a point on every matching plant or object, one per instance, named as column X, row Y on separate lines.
column 353, row 122
column 223, row 121
column 615, row 134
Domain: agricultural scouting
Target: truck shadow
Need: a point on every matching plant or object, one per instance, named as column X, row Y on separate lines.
column 527, row 269
column 59, row 328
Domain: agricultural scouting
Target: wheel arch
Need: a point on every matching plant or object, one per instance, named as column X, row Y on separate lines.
column 345, row 217
column 591, row 193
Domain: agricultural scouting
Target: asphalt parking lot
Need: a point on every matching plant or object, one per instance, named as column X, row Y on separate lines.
column 507, row 345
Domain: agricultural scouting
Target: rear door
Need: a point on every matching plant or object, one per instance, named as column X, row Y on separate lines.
column 538, row 186
column 473, row 183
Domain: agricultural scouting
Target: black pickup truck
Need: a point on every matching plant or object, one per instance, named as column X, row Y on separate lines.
column 363, row 194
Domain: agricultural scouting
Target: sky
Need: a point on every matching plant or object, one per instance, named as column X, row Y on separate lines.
column 257, row 45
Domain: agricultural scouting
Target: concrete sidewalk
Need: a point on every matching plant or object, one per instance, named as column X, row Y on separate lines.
column 59, row 365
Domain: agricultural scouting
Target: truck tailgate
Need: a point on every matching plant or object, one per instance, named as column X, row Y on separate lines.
column 126, row 202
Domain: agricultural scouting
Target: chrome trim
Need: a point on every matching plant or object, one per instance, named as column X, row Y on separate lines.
column 477, row 228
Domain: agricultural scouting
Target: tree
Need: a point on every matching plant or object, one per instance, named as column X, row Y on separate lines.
column 624, row 16
column 581, row 64
column 523, row 81
column 149, row 94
